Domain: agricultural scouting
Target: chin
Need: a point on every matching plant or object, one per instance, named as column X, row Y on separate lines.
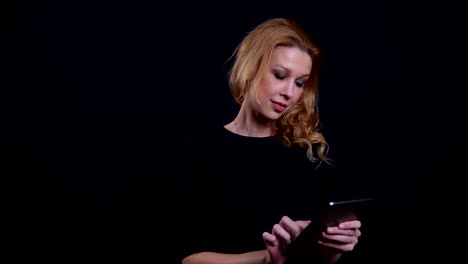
column 273, row 115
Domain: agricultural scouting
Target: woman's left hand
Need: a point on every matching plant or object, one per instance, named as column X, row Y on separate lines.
column 342, row 238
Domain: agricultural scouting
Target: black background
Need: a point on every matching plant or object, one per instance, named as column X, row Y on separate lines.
column 96, row 97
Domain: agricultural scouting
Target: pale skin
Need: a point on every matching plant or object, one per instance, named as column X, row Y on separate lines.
column 280, row 87
column 346, row 234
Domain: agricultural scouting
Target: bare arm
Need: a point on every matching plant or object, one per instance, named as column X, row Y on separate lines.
column 254, row 257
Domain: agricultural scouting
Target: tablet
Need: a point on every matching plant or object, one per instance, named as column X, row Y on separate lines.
column 332, row 214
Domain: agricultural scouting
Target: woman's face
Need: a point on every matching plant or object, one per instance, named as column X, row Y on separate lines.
column 282, row 83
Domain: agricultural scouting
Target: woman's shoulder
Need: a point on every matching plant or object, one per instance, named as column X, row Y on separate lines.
column 201, row 136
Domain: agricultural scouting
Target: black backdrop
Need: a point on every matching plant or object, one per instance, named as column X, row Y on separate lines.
column 97, row 95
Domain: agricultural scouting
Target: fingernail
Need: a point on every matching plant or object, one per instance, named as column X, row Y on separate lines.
column 269, row 237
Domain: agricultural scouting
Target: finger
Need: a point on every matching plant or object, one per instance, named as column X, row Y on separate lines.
column 350, row 224
column 269, row 238
column 342, row 239
column 339, row 231
column 290, row 226
column 274, row 251
column 303, row 223
column 339, row 247
column 281, row 233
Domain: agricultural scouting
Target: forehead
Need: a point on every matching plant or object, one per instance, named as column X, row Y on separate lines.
column 292, row 58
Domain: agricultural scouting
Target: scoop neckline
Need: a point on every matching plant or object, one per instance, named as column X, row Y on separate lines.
column 229, row 132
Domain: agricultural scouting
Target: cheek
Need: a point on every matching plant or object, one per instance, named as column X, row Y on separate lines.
column 297, row 95
column 266, row 88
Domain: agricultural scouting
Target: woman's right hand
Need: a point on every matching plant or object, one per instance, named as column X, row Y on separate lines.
column 280, row 237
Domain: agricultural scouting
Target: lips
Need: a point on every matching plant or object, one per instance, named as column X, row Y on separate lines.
column 278, row 106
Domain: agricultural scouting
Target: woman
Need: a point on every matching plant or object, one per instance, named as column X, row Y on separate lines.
column 254, row 184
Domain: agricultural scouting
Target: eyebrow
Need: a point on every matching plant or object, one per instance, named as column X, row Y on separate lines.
column 288, row 70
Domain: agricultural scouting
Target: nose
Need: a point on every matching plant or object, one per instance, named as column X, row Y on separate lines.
column 288, row 90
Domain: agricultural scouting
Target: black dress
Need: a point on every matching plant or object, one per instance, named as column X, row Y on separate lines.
column 233, row 188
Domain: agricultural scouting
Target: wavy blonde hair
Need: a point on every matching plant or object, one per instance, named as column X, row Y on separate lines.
column 300, row 124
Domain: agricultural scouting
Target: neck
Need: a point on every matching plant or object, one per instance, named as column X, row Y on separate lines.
column 248, row 125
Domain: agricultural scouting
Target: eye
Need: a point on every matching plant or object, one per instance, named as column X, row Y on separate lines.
column 280, row 76
column 300, row 84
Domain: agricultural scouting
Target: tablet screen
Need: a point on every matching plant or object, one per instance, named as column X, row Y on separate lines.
column 332, row 214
